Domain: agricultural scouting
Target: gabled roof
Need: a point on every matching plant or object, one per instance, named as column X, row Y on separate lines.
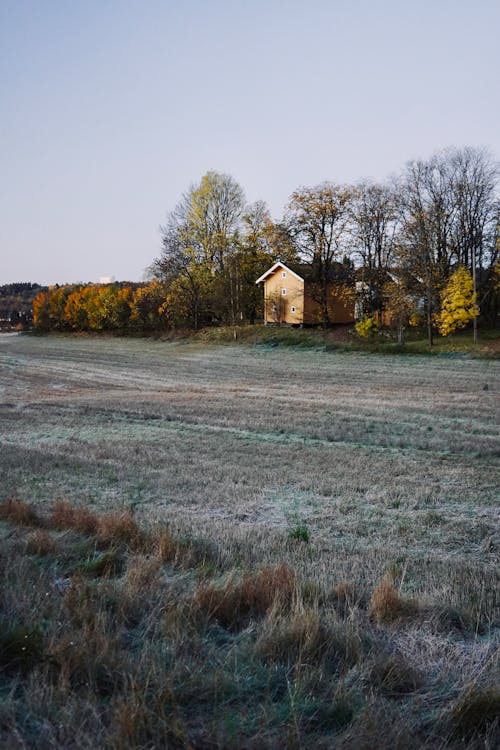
column 279, row 264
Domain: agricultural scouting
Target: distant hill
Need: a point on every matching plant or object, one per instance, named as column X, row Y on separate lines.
column 16, row 304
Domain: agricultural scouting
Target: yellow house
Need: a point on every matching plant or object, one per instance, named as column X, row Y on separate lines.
column 289, row 299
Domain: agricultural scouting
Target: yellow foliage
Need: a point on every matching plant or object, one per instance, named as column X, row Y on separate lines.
column 366, row 327
column 458, row 302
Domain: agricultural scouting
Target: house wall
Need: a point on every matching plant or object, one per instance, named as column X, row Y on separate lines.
column 274, row 298
column 338, row 311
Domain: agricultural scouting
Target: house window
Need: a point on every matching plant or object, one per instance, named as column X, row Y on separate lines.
column 283, row 275
column 275, row 309
column 294, row 309
column 283, row 291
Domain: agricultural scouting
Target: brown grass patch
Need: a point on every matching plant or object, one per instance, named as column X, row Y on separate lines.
column 40, row 543
column 387, row 604
column 235, row 603
column 120, row 528
column 65, row 515
column 142, row 573
column 141, row 720
column 17, row 511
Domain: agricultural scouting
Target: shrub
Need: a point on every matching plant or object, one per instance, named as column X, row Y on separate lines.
column 366, row 327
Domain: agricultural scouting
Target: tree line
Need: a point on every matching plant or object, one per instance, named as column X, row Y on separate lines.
column 404, row 239
column 16, row 304
column 102, row 307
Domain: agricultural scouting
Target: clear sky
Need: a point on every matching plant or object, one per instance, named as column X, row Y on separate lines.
column 111, row 109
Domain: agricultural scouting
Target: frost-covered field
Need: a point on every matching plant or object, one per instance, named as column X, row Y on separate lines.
column 390, row 458
column 374, row 479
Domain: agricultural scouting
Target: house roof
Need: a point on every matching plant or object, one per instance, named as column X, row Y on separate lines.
column 277, row 265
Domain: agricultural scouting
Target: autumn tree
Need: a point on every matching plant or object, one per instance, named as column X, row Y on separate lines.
column 147, row 310
column 400, row 305
column 458, row 302
column 41, row 314
column 318, row 218
column 449, row 211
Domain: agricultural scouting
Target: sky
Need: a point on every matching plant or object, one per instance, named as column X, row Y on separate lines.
column 111, row 109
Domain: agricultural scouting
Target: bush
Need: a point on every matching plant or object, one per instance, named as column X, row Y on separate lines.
column 366, row 327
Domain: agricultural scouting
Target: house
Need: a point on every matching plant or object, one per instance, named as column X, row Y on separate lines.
column 291, row 296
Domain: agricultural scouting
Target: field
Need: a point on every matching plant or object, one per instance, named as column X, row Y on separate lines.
column 364, row 485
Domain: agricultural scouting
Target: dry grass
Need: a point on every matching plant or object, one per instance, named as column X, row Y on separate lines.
column 235, row 603
column 186, row 466
column 119, row 528
column 477, row 713
column 134, row 650
column 40, row 543
column 65, row 515
column 387, row 604
column 18, row 511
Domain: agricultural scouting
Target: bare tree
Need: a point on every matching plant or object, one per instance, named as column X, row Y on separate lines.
column 374, row 223
column 449, row 211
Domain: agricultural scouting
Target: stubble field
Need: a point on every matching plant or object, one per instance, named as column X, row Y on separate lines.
column 348, row 468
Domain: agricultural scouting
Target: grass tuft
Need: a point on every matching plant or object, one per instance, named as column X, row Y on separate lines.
column 119, row 528
column 40, row 543
column 235, row 603
column 394, row 677
column 17, row 511
column 476, row 712
column 387, row 604
column 64, row 515
column 108, row 563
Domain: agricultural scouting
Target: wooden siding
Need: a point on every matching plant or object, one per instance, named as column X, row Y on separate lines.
column 278, row 306
column 338, row 311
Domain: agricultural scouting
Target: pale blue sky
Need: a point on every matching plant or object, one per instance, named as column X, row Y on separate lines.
column 110, row 109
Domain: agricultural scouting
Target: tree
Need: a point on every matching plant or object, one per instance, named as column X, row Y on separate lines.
column 213, row 217
column 458, row 302
column 317, row 218
column 449, row 212
column 428, row 211
column 200, row 244
column 41, row 314
column 374, row 222
column 147, row 307
column 399, row 304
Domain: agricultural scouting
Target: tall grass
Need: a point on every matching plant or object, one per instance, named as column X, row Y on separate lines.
column 152, row 654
